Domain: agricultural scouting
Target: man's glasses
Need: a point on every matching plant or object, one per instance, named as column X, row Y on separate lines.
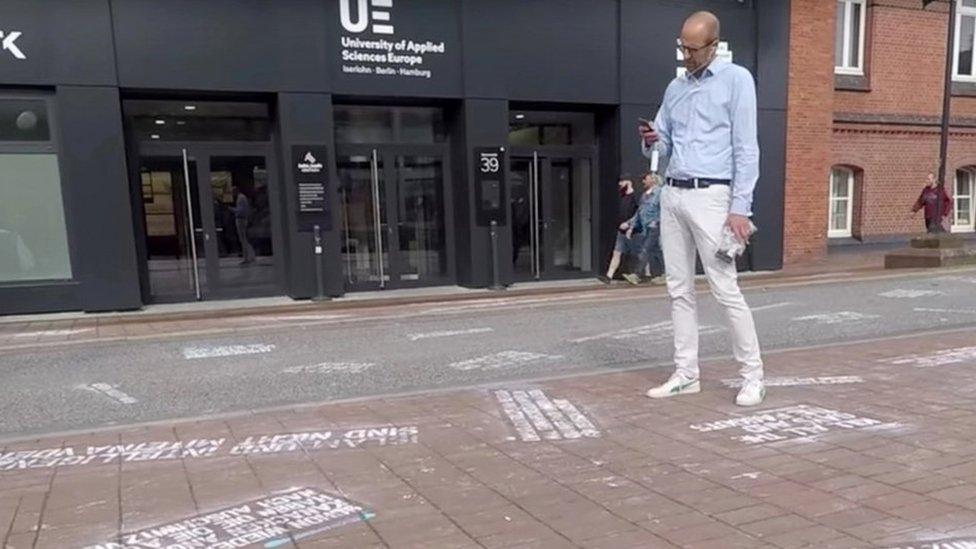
column 687, row 50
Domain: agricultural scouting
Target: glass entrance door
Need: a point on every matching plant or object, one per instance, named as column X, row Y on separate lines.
column 550, row 199
column 395, row 227
column 207, row 215
column 173, row 226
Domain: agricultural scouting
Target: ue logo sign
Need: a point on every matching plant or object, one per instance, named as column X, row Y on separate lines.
column 376, row 10
column 8, row 43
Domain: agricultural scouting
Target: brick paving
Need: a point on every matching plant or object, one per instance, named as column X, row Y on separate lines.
column 884, row 463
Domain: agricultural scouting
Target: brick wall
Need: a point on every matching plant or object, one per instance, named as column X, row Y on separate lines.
column 808, row 125
column 905, row 56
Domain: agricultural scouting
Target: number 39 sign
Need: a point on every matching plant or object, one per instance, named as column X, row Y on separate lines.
column 490, row 162
column 490, row 185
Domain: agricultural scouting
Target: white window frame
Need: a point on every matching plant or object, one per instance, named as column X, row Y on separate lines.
column 962, row 11
column 847, row 231
column 971, row 226
column 846, row 42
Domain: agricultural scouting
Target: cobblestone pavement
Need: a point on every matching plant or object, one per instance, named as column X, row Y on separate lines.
column 858, row 445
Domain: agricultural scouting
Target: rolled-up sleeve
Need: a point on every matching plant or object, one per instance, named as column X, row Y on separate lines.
column 745, row 144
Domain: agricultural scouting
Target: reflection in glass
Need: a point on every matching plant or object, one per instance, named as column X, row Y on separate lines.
column 839, row 215
column 521, row 201
column 420, row 218
column 570, row 226
column 967, row 35
column 33, row 237
column 206, row 121
column 168, row 228
column 360, row 249
column 242, row 221
column 372, row 124
column 839, row 35
column 854, row 56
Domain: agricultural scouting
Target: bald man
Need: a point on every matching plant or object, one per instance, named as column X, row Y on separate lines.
column 707, row 126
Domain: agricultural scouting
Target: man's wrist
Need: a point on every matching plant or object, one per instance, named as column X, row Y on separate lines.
column 740, row 207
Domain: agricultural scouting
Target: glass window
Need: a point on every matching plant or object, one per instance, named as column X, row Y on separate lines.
column 965, row 41
column 198, row 120
column 839, row 34
column 371, row 124
column 535, row 128
column 962, row 218
column 841, row 203
column 545, row 134
column 24, row 120
column 849, row 37
column 33, row 237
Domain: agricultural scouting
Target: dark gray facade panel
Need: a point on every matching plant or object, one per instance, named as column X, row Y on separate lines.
column 39, row 298
column 648, row 51
column 417, row 21
column 767, row 202
column 97, row 198
column 486, row 125
column 60, row 42
column 238, row 45
column 773, row 39
column 306, row 119
column 557, row 50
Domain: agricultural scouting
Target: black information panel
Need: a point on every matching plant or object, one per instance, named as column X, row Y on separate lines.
column 311, row 179
column 489, row 177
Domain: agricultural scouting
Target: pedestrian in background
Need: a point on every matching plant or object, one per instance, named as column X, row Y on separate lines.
column 707, row 126
column 645, row 227
column 626, row 209
column 929, row 201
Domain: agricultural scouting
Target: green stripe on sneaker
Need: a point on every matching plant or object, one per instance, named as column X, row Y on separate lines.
column 680, row 388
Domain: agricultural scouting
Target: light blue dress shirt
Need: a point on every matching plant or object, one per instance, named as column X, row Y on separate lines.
column 707, row 129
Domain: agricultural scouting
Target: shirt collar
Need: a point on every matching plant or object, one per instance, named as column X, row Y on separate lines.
column 713, row 68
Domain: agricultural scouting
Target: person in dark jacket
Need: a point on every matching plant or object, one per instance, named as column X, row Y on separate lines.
column 929, row 200
column 627, row 207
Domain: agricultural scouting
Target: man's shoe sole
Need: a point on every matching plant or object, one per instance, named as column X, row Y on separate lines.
column 762, row 399
column 689, row 389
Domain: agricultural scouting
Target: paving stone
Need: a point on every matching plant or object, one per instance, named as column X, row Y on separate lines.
column 648, row 481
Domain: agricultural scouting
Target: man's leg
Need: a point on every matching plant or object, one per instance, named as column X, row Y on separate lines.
column 707, row 218
column 614, row 263
column 679, row 253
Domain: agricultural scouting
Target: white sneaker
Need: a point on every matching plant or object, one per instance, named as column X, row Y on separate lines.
column 751, row 394
column 675, row 386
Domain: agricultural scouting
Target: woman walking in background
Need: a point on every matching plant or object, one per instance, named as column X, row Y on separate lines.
column 645, row 229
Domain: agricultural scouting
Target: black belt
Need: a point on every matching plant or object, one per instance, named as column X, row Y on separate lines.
column 697, row 183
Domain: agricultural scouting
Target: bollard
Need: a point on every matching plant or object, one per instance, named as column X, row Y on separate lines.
column 319, row 275
column 495, row 278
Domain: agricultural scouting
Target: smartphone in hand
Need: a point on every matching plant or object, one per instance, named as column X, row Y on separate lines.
column 645, row 122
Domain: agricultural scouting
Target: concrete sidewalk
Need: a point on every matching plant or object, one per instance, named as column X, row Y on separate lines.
column 843, row 262
column 860, row 445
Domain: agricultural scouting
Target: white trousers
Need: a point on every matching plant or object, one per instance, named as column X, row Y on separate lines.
column 692, row 219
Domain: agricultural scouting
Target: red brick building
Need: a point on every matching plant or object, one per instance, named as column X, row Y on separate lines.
column 865, row 101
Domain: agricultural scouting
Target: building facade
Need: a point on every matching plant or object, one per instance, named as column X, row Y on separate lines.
column 171, row 150
column 864, row 120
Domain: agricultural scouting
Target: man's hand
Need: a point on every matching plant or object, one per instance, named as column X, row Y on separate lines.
column 739, row 224
column 647, row 134
column 624, row 226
